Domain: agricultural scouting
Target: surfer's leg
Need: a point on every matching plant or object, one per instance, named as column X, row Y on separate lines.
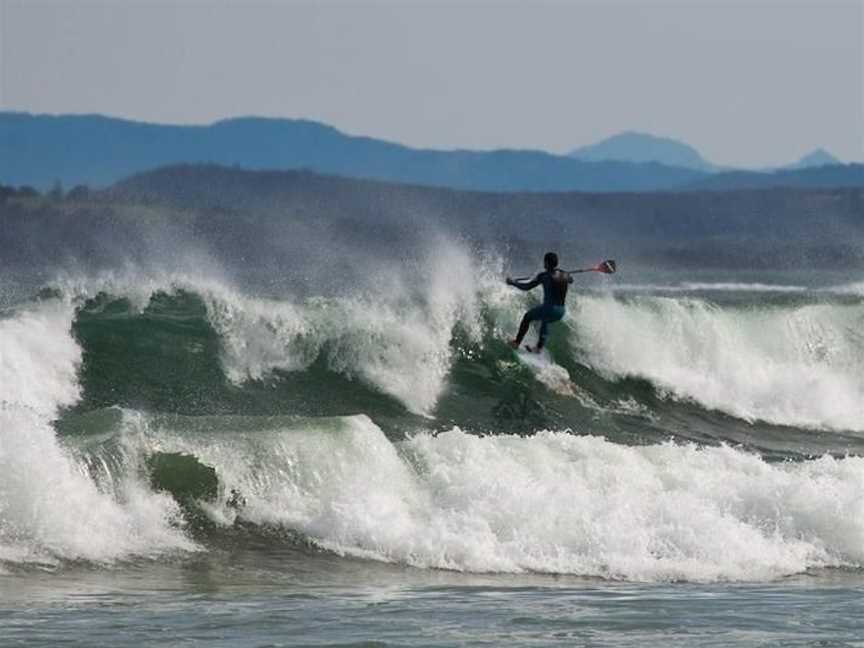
column 533, row 314
column 541, row 338
column 549, row 315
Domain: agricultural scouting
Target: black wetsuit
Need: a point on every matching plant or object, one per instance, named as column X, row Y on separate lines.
column 555, row 284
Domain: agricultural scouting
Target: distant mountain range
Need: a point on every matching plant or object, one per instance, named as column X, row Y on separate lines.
column 95, row 150
column 642, row 147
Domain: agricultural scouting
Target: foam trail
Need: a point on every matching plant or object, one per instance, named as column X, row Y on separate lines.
column 50, row 508
column 801, row 366
column 553, row 503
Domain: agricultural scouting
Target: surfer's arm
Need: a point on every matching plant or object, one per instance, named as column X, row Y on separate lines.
column 524, row 286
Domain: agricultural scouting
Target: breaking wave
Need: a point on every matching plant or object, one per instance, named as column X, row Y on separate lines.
column 800, row 366
column 553, row 502
column 786, row 363
column 50, row 509
column 394, row 423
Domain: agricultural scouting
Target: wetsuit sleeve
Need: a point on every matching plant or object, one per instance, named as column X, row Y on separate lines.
column 529, row 285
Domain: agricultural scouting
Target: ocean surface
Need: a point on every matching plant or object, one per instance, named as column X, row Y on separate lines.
column 214, row 460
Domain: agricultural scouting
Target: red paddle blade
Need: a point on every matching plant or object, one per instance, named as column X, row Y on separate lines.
column 607, row 267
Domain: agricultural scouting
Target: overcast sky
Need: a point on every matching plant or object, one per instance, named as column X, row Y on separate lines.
column 750, row 83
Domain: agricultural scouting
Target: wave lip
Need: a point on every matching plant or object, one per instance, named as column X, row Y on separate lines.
column 404, row 353
column 394, row 336
column 799, row 366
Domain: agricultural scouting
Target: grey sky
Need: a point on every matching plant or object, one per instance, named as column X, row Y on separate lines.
column 747, row 83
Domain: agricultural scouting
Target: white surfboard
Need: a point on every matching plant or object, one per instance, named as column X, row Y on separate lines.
column 554, row 376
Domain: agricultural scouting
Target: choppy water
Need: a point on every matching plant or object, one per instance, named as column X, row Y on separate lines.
column 686, row 470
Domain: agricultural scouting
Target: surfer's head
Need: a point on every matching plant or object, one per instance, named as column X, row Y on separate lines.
column 550, row 261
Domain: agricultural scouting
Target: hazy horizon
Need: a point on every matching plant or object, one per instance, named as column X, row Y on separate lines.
column 751, row 85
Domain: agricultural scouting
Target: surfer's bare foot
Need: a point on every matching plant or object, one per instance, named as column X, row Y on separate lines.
column 514, row 344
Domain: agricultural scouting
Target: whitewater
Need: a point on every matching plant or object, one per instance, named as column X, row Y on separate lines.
column 704, row 435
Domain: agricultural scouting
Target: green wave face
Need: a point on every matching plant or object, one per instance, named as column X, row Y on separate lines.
column 409, row 431
column 168, row 358
column 180, row 354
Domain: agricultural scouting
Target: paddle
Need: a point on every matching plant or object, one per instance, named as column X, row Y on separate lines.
column 606, row 267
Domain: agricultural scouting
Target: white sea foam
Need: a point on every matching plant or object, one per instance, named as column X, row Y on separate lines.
column 856, row 289
column 551, row 503
column 793, row 365
column 394, row 335
column 801, row 366
column 50, row 507
column 396, row 339
column 797, row 366
column 38, row 358
column 555, row 377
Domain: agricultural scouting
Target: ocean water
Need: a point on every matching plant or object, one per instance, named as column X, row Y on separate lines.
column 188, row 459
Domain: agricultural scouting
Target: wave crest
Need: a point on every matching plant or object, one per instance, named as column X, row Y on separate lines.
column 551, row 503
column 800, row 366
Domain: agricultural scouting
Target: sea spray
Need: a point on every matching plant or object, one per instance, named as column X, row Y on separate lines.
column 795, row 364
column 554, row 502
column 50, row 508
column 394, row 332
column 792, row 365
column 39, row 359
column 397, row 337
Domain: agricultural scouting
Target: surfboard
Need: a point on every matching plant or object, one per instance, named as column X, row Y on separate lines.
column 533, row 358
column 552, row 375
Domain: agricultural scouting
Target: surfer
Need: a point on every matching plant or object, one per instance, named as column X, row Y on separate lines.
column 555, row 283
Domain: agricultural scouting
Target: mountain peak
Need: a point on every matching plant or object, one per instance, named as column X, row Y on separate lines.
column 632, row 146
column 816, row 158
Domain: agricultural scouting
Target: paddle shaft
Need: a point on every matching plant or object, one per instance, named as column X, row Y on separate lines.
column 606, row 267
column 567, row 272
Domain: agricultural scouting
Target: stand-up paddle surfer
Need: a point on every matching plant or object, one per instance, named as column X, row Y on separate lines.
column 555, row 283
